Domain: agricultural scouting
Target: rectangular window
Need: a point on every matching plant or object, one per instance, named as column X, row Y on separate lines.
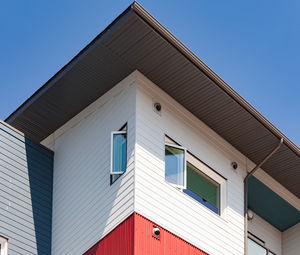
column 175, row 165
column 118, row 156
column 202, row 188
column 3, row 246
column 255, row 249
column 193, row 177
column 118, row 152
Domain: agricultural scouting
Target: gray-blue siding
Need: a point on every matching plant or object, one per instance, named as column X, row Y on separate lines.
column 26, row 177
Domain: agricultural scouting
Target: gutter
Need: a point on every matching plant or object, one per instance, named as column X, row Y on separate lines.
column 246, row 192
column 159, row 28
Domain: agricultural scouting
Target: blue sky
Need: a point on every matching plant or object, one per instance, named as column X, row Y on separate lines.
column 253, row 45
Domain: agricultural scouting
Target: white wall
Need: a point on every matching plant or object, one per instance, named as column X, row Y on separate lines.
column 291, row 241
column 164, row 204
column 85, row 206
column 266, row 232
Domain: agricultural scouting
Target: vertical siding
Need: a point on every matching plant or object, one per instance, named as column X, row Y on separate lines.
column 169, row 207
column 118, row 242
column 291, row 241
column 85, row 206
column 25, row 194
column 266, row 232
column 166, row 244
column 134, row 236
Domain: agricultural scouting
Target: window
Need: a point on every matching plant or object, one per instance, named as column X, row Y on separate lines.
column 175, row 165
column 192, row 177
column 257, row 247
column 118, row 153
column 3, row 246
column 202, row 188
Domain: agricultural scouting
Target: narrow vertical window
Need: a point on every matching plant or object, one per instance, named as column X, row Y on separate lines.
column 175, row 165
column 118, row 152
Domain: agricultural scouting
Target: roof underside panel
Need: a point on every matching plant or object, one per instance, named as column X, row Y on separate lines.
column 271, row 207
column 130, row 44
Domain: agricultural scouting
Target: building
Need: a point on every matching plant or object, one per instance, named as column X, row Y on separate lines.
column 140, row 148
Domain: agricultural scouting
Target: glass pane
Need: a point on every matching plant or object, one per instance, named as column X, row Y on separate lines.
column 175, row 162
column 119, row 153
column 202, row 188
column 255, row 249
column 114, row 177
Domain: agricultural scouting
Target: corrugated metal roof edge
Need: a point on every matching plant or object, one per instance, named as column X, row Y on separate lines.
column 147, row 17
column 150, row 20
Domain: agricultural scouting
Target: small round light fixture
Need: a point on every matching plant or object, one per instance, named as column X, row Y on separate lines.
column 234, row 165
column 250, row 215
column 157, row 107
column 156, row 232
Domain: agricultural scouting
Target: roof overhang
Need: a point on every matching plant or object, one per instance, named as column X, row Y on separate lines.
column 135, row 40
column 270, row 206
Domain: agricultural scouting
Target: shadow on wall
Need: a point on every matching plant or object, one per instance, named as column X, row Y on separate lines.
column 40, row 175
column 85, row 205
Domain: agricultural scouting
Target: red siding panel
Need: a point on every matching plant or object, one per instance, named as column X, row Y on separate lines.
column 167, row 244
column 117, row 242
column 134, row 237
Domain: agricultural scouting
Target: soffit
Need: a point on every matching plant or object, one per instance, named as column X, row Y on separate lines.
column 131, row 43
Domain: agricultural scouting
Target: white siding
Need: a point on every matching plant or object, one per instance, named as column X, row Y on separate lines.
column 85, row 206
column 166, row 205
column 266, row 232
column 291, row 241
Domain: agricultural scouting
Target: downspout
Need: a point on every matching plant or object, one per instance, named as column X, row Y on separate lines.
column 246, row 193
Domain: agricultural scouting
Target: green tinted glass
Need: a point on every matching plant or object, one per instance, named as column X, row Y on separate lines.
column 202, row 185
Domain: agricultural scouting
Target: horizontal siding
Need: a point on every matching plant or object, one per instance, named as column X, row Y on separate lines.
column 266, row 232
column 25, row 193
column 22, row 192
column 164, row 204
column 18, row 138
column 291, row 241
column 85, row 206
column 118, row 242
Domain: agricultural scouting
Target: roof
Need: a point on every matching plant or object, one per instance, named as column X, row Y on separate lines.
column 137, row 41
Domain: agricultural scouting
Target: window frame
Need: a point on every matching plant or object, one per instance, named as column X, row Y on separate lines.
column 215, row 176
column 184, row 167
column 112, row 151
column 259, row 242
column 3, row 245
column 204, row 169
column 209, row 179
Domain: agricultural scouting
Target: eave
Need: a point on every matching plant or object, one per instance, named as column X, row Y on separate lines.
column 135, row 40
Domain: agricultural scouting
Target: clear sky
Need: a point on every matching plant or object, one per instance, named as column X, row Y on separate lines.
column 253, row 45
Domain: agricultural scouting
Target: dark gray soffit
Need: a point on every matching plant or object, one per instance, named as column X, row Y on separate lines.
column 136, row 41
